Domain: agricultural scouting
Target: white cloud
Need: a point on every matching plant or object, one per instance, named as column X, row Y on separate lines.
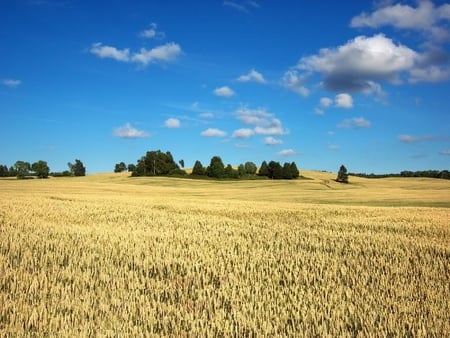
column 325, row 102
column 206, row 115
column 127, row 131
column 286, row 152
column 11, row 83
column 295, row 82
column 264, row 123
column 272, row 141
column 245, row 7
column 210, row 132
column 423, row 17
column 334, row 147
column 152, row 32
column 431, row 73
column 343, row 100
column 356, row 122
column 253, row 76
column 224, row 91
column 110, row 52
column 164, row 53
column 360, row 63
column 243, row 133
column 172, row 123
column 445, row 152
column 413, row 139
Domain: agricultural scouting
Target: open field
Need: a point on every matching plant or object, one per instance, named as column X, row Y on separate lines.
column 108, row 255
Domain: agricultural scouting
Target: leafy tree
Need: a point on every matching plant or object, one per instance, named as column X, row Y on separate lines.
column 294, row 170
column 155, row 163
column 342, row 175
column 241, row 170
column 181, row 162
column 229, row 172
column 41, row 169
column 198, row 169
column 77, row 169
column 250, row 168
column 22, row 169
column 275, row 170
column 4, row 172
column 286, row 172
column 120, row 167
column 216, row 168
column 264, row 169
column 131, row 167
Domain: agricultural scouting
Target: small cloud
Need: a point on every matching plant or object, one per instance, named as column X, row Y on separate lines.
column 244, row 7
column 172, row 123
column 164, row 53
column 152, row 32
column 343, row 100
column 286, row 152
column 413, row 139
column 213, row 132
column 445, row 152
column 295, row 82
column 11, row 83
column 224, row 91
column 243, row 133
column 206, row 115
column 252, row 76
column 127, row 131
column 272, row 141
column 325, row 102
column 110, row 52
column 356, row 122
column 241, row 145
column 334, row 147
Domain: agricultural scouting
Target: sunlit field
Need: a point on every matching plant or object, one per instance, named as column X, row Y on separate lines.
column 108, row 255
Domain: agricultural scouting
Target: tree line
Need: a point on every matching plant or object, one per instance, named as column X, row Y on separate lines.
column 444, row 174
column 40, row 169
column 158, row 163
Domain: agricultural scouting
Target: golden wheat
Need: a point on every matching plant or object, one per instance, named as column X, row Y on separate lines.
column 95, row 258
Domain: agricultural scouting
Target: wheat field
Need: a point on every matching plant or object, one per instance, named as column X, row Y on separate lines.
column 112, row 256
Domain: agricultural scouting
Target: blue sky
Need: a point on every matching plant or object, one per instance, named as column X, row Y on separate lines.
column 321, row 83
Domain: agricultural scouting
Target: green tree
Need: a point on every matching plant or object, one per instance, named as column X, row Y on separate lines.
column 22, row 169
column 216, row 168
column 287, row 173
column 77, row 169
column 41, row 169
column 229, row 172
column 198, row 169
column 181, row 162
column 155, row 163
column 294, row 170
column 342, row 175
column 120, row 167
column 264, row 169
column 241, row 170
column 4, row 172
column 275, row 170
column 250, row 168
column 131, row 167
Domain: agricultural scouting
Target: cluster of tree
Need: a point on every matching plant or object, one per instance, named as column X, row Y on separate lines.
column 23, row 169
column 157, row 163
column 444, row 174
column 342, row 176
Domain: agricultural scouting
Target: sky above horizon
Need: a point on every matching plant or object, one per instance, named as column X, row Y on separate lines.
column 363, row 84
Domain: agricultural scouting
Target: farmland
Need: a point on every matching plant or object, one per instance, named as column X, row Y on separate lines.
column 108, row 255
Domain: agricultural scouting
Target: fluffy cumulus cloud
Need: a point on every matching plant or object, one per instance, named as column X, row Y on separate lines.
column 360, row 63
column 172, row 123
column 295, row 81
column 213, row 132
column 252, row 76
column 224, row 91
column 243, row 133
column 272, row 141
column 287, row 152
column 356, row 122
column 264, row 123
column 165, row 53
column 152, row 32
column 110, row 52
column 344, row 100
column 127, row 131
column 11, row 83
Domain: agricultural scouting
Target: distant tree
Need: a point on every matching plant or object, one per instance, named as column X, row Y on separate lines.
column 177, row 172
column 131, row 167
column 4, row 172
column 198, row 169
column 250, row 168
column 216, row 168
column 241, row 171
column 286, row 172
column 155, row 163
column 264, row 169
column 230, row 172
column 41, row 169
column 12, row 171
column 294, row 170
column 275, row 170
column 342, row 175
column 77, row 169
column 22, row 169
column 120, row 167
column 181, row 162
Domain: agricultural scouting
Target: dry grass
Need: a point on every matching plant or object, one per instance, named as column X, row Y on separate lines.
column 110, row 256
